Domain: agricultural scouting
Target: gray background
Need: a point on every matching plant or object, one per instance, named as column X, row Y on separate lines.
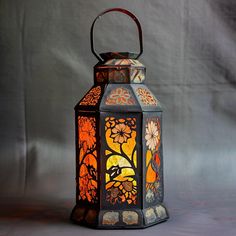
column 45, row 68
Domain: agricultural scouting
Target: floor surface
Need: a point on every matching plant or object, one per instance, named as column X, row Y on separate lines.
column 207, row 214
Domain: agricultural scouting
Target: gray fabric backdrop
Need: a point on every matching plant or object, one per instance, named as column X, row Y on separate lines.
column 46, row 66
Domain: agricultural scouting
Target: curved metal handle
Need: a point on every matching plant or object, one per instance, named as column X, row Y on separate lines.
column 126, row 12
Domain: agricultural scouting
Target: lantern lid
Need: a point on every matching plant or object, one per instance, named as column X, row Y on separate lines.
column 118, row 80
column 118, row 55
column 118, row 67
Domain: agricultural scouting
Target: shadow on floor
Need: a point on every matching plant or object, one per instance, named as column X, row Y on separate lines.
column 41, row 211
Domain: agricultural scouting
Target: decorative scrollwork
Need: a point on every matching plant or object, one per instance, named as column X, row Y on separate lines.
column 146, row 97
column 92, row 97
column 120, row 96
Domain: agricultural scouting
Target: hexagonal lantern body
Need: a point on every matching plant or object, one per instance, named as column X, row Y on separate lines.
column 119, row 161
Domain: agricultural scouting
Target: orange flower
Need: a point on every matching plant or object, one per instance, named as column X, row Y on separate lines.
column 120, row 133
column 113, row 195
column 88, row 179
column 128, row 189
column 87, row 131
column 125, row 191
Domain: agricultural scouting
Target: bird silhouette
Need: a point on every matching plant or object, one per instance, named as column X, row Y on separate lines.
column 114, row 171
column 92, row 171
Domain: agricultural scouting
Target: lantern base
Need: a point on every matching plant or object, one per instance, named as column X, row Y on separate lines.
column 118, row 219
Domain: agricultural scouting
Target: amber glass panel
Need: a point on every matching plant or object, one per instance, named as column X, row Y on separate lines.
column 153, row 161
column 87, row 159
column 121, row 160
column 92, row 97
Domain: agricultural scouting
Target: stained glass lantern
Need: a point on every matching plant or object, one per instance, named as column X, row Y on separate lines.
column 119, row 161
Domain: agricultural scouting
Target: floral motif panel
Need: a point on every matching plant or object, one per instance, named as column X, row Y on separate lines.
column 92, row 97
column 87, row 159
column 146, row 98
column 121, row 160
column 120, row 96
column 153, row 160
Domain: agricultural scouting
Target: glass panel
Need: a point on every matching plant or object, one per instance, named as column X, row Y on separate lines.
column 121, row 160
column 120, row 96
column 118, row 76
column 101, row 75
column 92, row 97
column 146, row 97
column 153, row 159
column 137, row 75
column 87, row 159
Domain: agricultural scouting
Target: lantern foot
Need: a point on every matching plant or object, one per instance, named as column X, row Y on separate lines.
column 117, row 219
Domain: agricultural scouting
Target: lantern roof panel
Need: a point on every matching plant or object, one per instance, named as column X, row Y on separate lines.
column 119, row 97
column 91, row 99
column 146, row 98
column 124, row 97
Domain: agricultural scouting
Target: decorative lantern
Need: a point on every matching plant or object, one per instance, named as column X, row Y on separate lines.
column 119, row 162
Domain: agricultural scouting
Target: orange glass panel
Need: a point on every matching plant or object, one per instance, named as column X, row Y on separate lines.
column 87, row 159
column 92, row 97
column 153, row 162
column 121, row 160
